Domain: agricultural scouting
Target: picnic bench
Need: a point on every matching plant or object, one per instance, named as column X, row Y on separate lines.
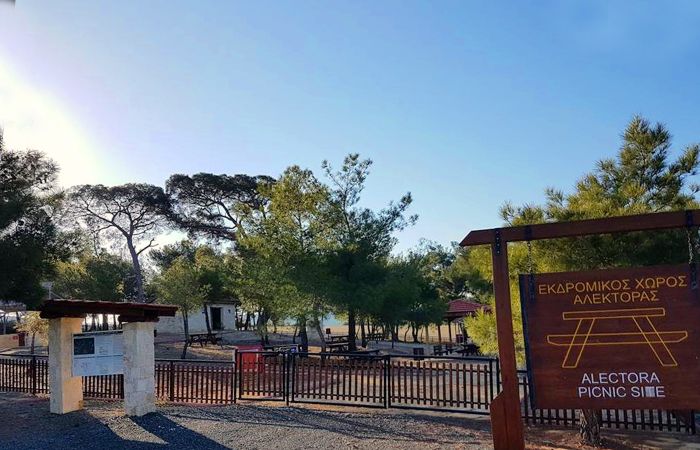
column 339, row 343
column 204, row 338
column 463, row 349
column 469, row 350
column 418, row 352
column 438, row 351
column 283, row 348
column 374, row 336
column 338, row 346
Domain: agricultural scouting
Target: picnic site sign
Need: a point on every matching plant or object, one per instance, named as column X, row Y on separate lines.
column 621, row 338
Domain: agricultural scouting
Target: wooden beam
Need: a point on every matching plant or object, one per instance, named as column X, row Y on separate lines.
column 508, row 408
column 608, row 225
column 56, row 315
column 137, row 318
column 76, row 308
column 506, row 422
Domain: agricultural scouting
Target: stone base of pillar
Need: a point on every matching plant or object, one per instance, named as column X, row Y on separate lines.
column 66, row 390
column 139, row 368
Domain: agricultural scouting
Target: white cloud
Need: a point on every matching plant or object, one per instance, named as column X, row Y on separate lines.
column 34, row 119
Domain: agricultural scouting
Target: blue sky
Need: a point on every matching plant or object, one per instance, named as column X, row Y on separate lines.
column 465, row 104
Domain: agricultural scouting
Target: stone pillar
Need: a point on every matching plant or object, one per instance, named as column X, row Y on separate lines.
column 139, row 368
column 66, row 390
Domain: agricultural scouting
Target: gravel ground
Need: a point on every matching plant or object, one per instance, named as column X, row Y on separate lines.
column 29, row 425
column 25, row 423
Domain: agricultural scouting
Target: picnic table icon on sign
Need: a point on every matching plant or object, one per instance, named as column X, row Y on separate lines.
column 642, row 331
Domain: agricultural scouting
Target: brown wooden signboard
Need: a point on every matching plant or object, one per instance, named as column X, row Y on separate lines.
column 621, row 338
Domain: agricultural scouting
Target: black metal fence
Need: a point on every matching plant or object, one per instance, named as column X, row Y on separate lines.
column 195, row 381
column 442, row 383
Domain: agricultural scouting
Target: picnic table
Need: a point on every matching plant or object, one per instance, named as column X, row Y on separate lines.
column 340, row 343
column 294, row 348
column 338, row 346
column 440, row 350
column 204, row 338
column 374, row 336
column 469, row 350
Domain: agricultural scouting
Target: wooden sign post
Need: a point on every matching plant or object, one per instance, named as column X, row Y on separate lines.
column 506, row 422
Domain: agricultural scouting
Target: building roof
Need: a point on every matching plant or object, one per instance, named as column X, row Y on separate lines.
column 462, row 308
column 128, row 312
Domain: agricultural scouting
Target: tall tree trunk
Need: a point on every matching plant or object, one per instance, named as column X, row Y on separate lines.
column 439, row 333
column 589, row 428
column 247, row 321
column 33, row 340
column 319, row 330
column 262, row 327
column 138, row 276
column 352, row 337
column 206, row 318
column 363, row 335
column 186, row 327
column 303, row 335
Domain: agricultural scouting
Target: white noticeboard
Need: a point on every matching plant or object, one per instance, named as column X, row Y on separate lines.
column 98, row 353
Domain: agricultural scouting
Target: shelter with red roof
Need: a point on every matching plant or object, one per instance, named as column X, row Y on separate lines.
column 460, row 308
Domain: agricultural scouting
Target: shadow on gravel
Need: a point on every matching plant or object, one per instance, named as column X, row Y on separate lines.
column 173, row 434
column 394, row 427
column 27, row 424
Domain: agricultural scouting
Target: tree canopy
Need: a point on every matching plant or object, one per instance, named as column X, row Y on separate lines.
column 642, row 178
column 30, row 241
column 132, row 215
column 104, row 276
column 216, row 206
column 360, row 239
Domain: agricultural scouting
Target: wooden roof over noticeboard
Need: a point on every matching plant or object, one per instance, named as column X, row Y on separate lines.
column 127, row 312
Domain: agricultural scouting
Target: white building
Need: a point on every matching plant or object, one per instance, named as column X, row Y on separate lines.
column 222, row 316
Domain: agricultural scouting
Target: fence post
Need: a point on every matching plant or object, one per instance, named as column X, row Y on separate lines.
column 285, row 392
column 171, row 381
column 498, row 374
column 239, row 373
column 491, row 393
column 293, row 378
column 33, row 372
column 234, row 375
column 387, row 381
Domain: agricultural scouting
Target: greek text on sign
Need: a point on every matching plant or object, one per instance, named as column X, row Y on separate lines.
column 98, row 353
column 620, row 338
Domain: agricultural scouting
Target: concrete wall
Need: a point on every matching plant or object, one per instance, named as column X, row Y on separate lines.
column 66, row 390
column 9, row 341
column 139, row 369
column 197, row 321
